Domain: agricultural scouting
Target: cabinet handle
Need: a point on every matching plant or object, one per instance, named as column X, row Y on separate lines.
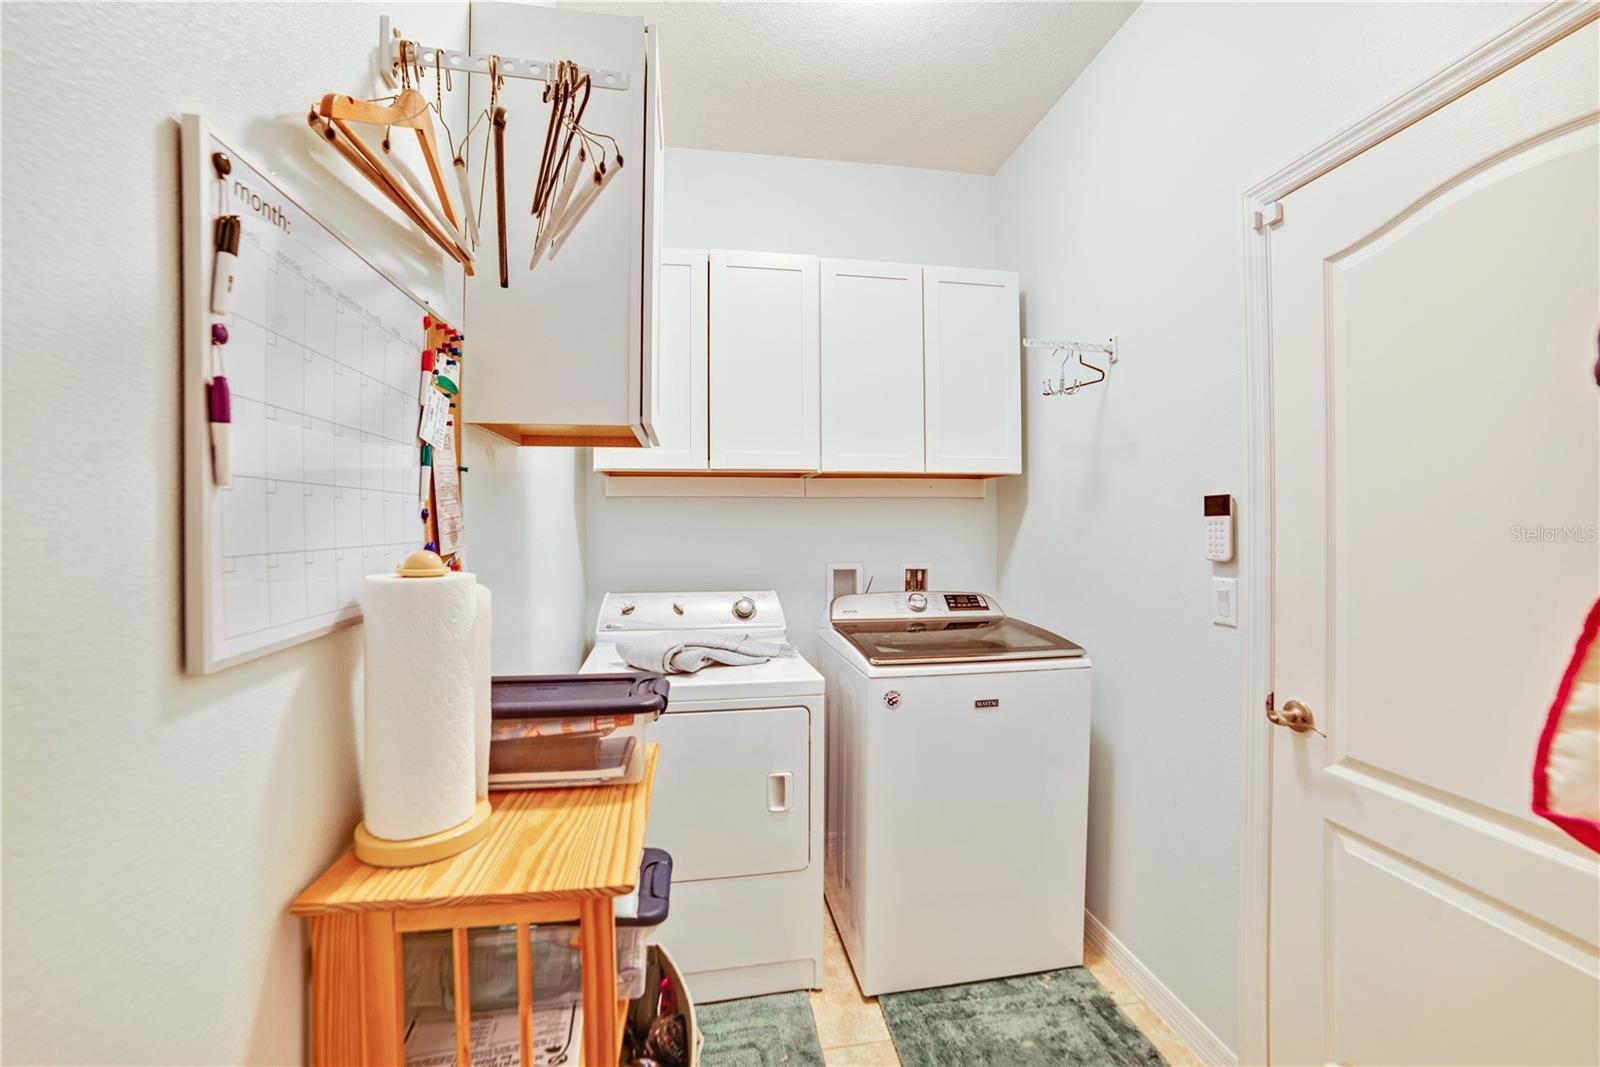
column 778, row 783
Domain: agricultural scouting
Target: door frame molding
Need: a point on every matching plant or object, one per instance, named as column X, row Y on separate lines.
column 1261, row 212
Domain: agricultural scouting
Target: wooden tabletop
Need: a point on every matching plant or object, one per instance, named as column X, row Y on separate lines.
column 543, row 845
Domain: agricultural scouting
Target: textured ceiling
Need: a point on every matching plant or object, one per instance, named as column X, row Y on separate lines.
column 953, row 86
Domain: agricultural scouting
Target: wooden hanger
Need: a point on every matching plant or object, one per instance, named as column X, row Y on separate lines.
column 409, row 110
column 356, row 159
column 499, row 124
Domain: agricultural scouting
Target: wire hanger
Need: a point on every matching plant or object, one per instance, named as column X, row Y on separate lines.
column 1060, row 386
column 558, row 203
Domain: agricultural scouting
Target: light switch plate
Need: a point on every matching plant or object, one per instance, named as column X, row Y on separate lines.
column 1226, row 610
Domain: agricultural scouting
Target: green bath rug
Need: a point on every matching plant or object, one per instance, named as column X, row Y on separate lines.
column 1033, row 1020
column 775, row 1031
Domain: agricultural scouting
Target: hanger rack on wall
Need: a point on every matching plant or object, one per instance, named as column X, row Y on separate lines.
column 389, row 56
column 1061, row 387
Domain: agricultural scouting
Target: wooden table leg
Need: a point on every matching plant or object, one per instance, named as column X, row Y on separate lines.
column 357, row 990
column 601, row 1021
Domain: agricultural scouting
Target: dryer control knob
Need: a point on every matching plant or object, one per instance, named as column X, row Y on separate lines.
column 744, row 608
column 917, row 602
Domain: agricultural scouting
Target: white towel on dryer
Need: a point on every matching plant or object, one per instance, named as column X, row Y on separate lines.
column 686, row 651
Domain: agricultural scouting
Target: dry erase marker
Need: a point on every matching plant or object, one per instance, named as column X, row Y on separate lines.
column 427, row 376
column 227, row 257
column 219, row 405
column 427, row 477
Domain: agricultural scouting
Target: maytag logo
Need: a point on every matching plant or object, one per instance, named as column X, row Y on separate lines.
column 986, row 703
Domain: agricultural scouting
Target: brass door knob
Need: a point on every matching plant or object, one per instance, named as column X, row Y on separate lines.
column 1295, row 715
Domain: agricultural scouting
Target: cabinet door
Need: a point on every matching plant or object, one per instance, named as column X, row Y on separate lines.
column 557, row 357
column 733, row 792
column 763, row 362
column 646, row 390
column 973, row 383
column 871, row 367
column 680, row 373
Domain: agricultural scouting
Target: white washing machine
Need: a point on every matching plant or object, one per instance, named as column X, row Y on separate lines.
column 958, row 774
column 738, row 797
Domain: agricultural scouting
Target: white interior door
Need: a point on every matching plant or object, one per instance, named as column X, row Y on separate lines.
column 1434, row 306
column 973, row 371
column 679, row 375
column 871, row 367
column 763, row 362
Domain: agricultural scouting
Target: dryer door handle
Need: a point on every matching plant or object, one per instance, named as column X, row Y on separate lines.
column 779, row 790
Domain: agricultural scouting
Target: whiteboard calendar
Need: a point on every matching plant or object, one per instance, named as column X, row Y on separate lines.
column 322, row 360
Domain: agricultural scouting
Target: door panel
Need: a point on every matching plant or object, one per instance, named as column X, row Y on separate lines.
column 1409, row 948
column 763, row 362
column 679, row 375
column 973, row 369
column 1434, row 304
column 715, row 791
column 871, row 367
column 654, row 189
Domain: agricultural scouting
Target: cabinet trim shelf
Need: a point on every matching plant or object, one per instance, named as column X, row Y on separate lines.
column 564, row 435
column 794, row 486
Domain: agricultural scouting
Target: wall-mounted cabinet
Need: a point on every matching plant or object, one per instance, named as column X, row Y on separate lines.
column 680, row 373
column 871, row 367
column 783, row 364
column 763, row 362
column 972, row 371
column 565, row 353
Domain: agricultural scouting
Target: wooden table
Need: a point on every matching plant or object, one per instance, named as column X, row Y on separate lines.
column 552, row 855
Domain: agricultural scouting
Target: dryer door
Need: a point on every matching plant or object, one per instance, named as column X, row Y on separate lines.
column 732, row 794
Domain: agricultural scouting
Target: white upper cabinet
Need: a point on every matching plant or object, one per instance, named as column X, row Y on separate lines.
column 562, row 355
column 872, row 419
column 763, row 362
column 972, row 371
column 680, row 378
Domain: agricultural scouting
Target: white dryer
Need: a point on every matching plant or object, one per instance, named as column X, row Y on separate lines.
column 738, row 797
column 958, row 770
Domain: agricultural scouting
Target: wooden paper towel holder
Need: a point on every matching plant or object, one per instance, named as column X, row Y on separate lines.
column 415, row 851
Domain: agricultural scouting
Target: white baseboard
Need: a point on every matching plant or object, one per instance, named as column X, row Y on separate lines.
column 1186, row 1024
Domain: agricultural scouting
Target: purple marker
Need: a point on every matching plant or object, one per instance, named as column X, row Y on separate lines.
column 219, row 408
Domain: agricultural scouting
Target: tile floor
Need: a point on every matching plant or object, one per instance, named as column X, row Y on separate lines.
column 853, row 1033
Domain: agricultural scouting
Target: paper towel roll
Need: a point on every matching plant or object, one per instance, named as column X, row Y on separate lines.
column 419, row 771
column 482, row 694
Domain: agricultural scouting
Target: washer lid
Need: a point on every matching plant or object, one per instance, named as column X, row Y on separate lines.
column 912, row 642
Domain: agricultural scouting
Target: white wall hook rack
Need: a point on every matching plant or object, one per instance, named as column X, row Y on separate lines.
column 1108, row 349
column 1061, row 387
column 389, row 40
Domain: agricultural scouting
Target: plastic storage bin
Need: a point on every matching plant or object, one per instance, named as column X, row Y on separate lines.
column 557, row 972
column 571, row 729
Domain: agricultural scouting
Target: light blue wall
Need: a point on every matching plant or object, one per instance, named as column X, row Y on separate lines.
column 1122, row 212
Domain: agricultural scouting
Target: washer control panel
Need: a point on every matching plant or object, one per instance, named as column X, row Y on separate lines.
column 913, row 605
